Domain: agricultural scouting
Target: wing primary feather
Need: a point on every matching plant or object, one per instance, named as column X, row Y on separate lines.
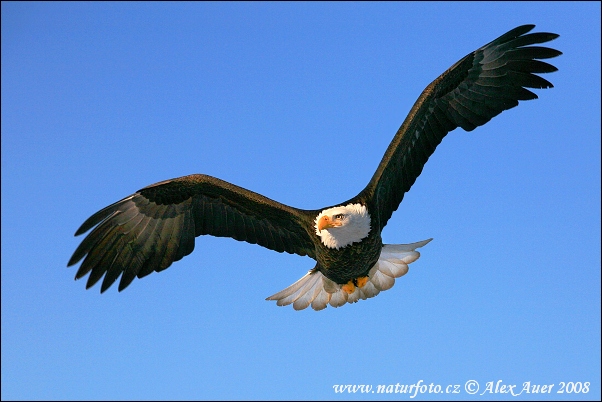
column 529, row 39
column 115, row 218
column 127, row 253
column 533, row 52
column 130, row 273
column 529, row 80
column 96, row 254
column 101, row 215
column 99, row 269
column 103, row 238
column 122, row 256
column 86, row 245
column 532, row 66
column 512, row 34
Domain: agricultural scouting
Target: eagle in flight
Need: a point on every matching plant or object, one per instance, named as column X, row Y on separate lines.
column 157, row 225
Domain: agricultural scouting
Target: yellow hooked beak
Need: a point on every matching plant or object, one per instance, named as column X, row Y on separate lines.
column 326, row 222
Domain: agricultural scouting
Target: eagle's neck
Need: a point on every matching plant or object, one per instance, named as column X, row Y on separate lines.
column 354, row 228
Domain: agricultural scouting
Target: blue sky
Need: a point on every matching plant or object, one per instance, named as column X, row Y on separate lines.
column 102, row 99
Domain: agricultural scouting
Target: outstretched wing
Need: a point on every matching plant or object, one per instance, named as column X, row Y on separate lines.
column 475, row 89
column 156, row 226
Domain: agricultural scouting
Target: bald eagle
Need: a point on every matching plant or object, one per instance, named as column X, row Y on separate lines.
column 150, row 229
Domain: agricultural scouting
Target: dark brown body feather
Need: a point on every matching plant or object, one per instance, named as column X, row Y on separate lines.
column 157, row 225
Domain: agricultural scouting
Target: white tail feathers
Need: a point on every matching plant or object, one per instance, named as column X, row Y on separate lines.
column 318, row 291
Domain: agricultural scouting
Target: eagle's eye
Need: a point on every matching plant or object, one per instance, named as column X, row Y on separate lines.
column 339, row 216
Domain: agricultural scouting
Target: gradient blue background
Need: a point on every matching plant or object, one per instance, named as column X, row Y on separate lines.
column 297, row 102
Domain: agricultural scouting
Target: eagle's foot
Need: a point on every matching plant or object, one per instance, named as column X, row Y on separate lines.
column 361, row 281
column 349, row 287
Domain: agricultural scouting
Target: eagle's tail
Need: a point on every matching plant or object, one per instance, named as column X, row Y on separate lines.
column 318, row 291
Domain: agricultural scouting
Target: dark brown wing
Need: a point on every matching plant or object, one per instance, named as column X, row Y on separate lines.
column 157, row 225
column 475, row 89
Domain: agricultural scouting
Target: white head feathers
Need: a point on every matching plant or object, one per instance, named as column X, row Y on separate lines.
column 355, row 227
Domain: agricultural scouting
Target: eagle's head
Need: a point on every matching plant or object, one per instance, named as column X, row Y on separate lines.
column 340, row 226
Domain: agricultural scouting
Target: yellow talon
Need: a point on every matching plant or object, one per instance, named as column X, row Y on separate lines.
column 361, row 281
column 349, row 287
